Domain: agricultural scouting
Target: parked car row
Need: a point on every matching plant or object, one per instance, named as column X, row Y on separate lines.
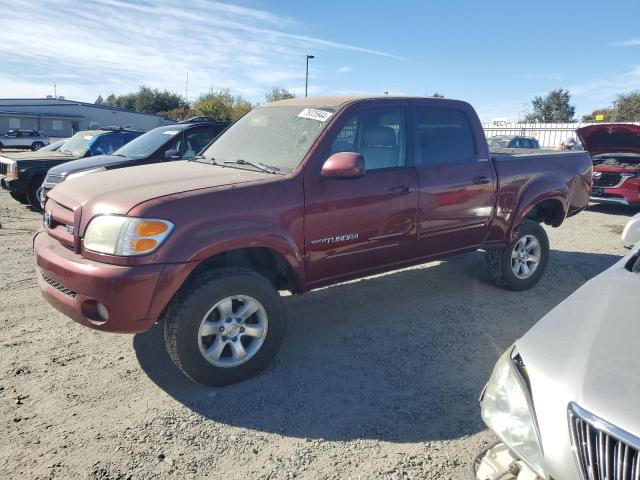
column 29, row 176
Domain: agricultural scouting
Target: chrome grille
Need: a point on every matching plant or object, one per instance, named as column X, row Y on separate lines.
column 602, row 451
column 606, row 179
column 58, row 286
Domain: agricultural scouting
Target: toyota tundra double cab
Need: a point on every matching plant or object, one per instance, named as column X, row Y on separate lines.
column 296, row 195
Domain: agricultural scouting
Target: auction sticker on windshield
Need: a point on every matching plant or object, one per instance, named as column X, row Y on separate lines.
column 315, row 114
column 170, row 132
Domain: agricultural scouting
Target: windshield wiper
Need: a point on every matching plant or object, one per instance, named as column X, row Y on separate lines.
column 119, row 155
column 258, row 165
column 211, row 161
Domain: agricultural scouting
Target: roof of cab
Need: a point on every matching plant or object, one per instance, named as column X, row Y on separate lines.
column 333, row 101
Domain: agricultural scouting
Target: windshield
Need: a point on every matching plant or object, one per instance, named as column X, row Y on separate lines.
column 52, row 147
column 277, row 137
column 498, row 142
column 146, row 144
column 79, row 143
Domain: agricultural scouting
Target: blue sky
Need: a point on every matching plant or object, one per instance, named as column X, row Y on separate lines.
column 496, row 55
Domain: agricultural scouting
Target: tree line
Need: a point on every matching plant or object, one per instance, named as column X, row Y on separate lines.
column 219, row 104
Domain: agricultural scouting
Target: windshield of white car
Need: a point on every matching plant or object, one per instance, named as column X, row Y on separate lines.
column 276, row 137
column 79, row 143
column 146, row 144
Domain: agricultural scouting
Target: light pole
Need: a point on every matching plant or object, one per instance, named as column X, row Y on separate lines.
column 306, row 80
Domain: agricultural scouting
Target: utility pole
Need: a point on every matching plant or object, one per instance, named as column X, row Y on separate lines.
column 186, row 90
column 306, row 81
column 55, row 91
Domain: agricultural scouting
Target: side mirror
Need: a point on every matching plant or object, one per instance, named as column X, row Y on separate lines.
column 172, row 155
column 631, row 232
column 344, row 165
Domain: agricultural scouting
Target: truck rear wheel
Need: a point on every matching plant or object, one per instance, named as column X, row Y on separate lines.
column 225, row 326
column 520, row 265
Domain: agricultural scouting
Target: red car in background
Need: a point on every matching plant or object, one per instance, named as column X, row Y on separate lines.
column 615, row 151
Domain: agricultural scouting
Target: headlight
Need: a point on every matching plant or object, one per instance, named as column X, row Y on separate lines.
column 125, row 236
column 12, row 170
column 84, row 172
column 508, row 411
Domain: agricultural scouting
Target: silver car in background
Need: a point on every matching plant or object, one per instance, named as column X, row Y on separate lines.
column 24, row 139
column 564, row 400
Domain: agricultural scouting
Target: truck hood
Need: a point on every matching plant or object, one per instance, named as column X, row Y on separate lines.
column 118, row 191
column 37, row 156
column 87, row 164
column 609, row 138
column 586, row 351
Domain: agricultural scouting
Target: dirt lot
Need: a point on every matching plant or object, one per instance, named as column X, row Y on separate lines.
column 377, row 378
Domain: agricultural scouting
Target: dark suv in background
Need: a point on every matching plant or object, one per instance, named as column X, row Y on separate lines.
column 182, row 141
column 508, row 141
column 22, row 173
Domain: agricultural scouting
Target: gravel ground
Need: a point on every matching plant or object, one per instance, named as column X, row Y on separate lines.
column 377, row 378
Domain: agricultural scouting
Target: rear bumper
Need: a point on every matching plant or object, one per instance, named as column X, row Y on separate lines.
column 133, row 296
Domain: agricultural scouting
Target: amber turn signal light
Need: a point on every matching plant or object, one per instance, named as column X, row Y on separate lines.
column 151, row 228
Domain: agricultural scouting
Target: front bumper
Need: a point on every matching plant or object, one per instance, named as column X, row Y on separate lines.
column 628, row 193
column 75, row 285
column 499, row 461
column 17, row 186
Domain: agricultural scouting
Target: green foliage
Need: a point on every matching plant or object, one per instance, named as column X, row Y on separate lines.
column 627, row 107
column 608, row 114
column 279, row 94
column 146, row 100
column 99, row 100
column 555, row 107
column 437, row 95
column 221, row 105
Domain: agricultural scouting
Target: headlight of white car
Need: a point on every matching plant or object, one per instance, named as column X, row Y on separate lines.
column 85, row 172
column 507, row 409
column 125, row 236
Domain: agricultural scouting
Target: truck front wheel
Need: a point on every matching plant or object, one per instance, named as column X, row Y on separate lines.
column 225, row 326
column 520, row 265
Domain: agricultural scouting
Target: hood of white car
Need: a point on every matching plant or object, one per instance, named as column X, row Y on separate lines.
column 587, row 351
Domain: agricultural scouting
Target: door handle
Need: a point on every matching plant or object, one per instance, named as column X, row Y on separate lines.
column 482, row 180
column 402, row 190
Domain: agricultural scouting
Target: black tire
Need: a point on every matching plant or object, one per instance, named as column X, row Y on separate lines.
column 36, row 146
column 19, row 197
column 499, row 259
column 187, row 310
column 1, row 146
column 32, row 194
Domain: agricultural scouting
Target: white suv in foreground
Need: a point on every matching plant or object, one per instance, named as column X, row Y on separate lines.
column 564, row 400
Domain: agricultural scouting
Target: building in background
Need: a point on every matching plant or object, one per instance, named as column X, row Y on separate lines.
column 58, row 117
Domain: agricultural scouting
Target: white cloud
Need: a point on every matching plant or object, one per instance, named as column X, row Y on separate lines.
column 111, row 46
column 345, row 69
column 634, row 42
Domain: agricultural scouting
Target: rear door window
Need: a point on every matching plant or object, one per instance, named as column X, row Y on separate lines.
column 442, row 136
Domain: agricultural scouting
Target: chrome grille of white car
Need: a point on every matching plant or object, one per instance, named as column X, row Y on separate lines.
column 602, row 451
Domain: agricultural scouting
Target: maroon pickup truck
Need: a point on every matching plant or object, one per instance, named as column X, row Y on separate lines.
column 296, row 195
